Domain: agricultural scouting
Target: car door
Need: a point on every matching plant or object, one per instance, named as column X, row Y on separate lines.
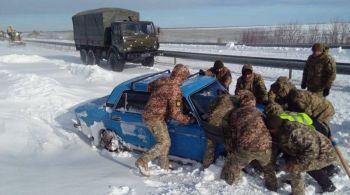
column 187, row 140
column 126, row 118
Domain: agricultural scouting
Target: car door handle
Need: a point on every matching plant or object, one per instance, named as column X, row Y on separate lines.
column 116, row 118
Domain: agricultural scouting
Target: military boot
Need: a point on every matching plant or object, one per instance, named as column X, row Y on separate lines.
column 143, row 167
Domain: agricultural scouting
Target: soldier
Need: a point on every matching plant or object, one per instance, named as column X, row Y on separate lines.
column 165, row 100
column 307, row 150
column 250, row 140
column 279, row 91
column 219, row 112
column 319, row 71
column 222, row 73
column 315, row 106
column 284, row 93
column 252, row 82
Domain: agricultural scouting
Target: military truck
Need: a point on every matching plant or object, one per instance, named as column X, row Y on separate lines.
column 116, row 35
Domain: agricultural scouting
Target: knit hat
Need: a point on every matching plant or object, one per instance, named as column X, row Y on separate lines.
column 318, row 47
column 218, row 64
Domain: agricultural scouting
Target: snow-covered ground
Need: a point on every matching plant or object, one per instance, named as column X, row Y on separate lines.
column 41, row 152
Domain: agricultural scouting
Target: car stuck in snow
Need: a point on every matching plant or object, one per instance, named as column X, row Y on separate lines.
column 115, row 121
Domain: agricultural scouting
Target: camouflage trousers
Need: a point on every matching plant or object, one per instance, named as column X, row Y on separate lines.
column 240, row 158
column 209, row 154
column 297, row 177
column 161, row 148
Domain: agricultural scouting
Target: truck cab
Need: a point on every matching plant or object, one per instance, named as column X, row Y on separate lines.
column 134, row 39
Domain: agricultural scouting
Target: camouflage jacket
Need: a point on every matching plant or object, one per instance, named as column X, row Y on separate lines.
column 256, row 86
column 219, row 112
column 319, row 72
column 315, row 106
column 224, row 76
column 280, row 90
column 165, row 101
column 247, row 125
column 303, row 144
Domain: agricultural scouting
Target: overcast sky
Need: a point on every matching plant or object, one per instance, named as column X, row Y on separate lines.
column 27, row 15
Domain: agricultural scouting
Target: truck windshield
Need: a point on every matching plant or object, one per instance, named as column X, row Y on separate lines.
column 130, row 28
column 137, row 28
column 147, row 28
column 203, row 98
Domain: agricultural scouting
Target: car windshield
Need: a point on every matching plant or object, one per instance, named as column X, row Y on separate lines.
column 203, row 98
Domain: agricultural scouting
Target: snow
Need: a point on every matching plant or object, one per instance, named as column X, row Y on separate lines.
column 42, row 153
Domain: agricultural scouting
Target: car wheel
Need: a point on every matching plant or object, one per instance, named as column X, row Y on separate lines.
column 83, row 56
column 111, row 141
column 115, row 62
column 148, row 62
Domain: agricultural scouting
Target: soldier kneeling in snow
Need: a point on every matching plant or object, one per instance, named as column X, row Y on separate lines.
column 250, row 140
column 306, row 149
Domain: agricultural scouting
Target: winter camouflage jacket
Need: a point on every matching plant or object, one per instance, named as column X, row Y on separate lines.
column 316, row 107
column 247, row 125
column 256, row 86
column 279, row 91
column 223, row 76
column 219, row 113
column 319, row 72
column 166, row 97
column 304, row 144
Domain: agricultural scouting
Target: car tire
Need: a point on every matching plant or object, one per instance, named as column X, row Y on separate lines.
column 115, row 62
column 149, row 62
column 111, row 141
column 83, row 56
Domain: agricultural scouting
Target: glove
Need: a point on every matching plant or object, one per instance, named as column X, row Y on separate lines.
column 326, row 92
column 303, row 85
column 201, row 72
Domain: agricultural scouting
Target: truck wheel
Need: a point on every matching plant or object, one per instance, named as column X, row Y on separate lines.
column 148, row 62
column 91, row 58
column 115, row 62
column 83, row 56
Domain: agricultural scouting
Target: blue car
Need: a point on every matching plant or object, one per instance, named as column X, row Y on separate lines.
column 120, row 114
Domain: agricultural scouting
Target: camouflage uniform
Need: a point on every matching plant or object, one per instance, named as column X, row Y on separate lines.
column 223, row 76
column 319, row 72
column 165, row 101
column 256, row 85
column 219, row 112
column 251, row 141
column 279, row 91
column 283, row 94
column 307, row 150
column 315, row 106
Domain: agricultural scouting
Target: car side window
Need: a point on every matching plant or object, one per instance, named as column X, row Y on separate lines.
column 132, row 101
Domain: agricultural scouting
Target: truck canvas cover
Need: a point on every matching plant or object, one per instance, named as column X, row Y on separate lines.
column 92, row 27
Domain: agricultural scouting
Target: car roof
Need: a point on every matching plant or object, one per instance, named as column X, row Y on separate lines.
column 140, row 84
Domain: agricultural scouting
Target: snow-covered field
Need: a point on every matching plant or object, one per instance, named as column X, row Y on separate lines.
column 41, row 152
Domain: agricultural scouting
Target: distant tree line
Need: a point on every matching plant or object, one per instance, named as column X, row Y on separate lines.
column 335, row 33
